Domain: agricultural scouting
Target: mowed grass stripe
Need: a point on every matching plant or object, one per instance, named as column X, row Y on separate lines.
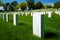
column 23, row 31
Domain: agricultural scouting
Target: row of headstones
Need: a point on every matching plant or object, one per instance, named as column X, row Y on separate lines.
column 26, row 13
column 38, row 21
column 57, row 12
column 21, row 13
column 49, row 9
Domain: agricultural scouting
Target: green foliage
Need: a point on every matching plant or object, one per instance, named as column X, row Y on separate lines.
column 30, row 4
column 38, row 5
column 11, row 6
column 6, row 6
column 52, row 25
column 23, row 6
column 48, row 6
column 57, row 5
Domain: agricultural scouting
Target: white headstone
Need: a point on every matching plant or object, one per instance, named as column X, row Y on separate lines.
column 7, row 17
column 31, row 13
column 46, row 12
column 26, row 13
column 59, row 12
column 3, row 16
column 49, row 14
column 38, row 24
column 15, row 19
column 22, row 13
column 18, row 13
column 56, row 12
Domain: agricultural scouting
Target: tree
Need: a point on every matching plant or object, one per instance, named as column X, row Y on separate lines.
column 23, row 6
column 38, row 5
column 48, row 6
column 6, row 7
column 57, row 5
column 30, row 4
column 13, row 6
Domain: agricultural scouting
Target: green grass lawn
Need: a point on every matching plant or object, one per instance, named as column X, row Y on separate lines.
column 52, row 27
column 23, row 30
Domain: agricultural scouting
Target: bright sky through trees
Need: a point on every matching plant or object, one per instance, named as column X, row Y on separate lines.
column 43, row 1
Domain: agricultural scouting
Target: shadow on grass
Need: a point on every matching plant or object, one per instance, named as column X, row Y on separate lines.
column 50, row 35
column 22, row 23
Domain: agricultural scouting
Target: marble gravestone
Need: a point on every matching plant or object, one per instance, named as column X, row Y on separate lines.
column 38, row 23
